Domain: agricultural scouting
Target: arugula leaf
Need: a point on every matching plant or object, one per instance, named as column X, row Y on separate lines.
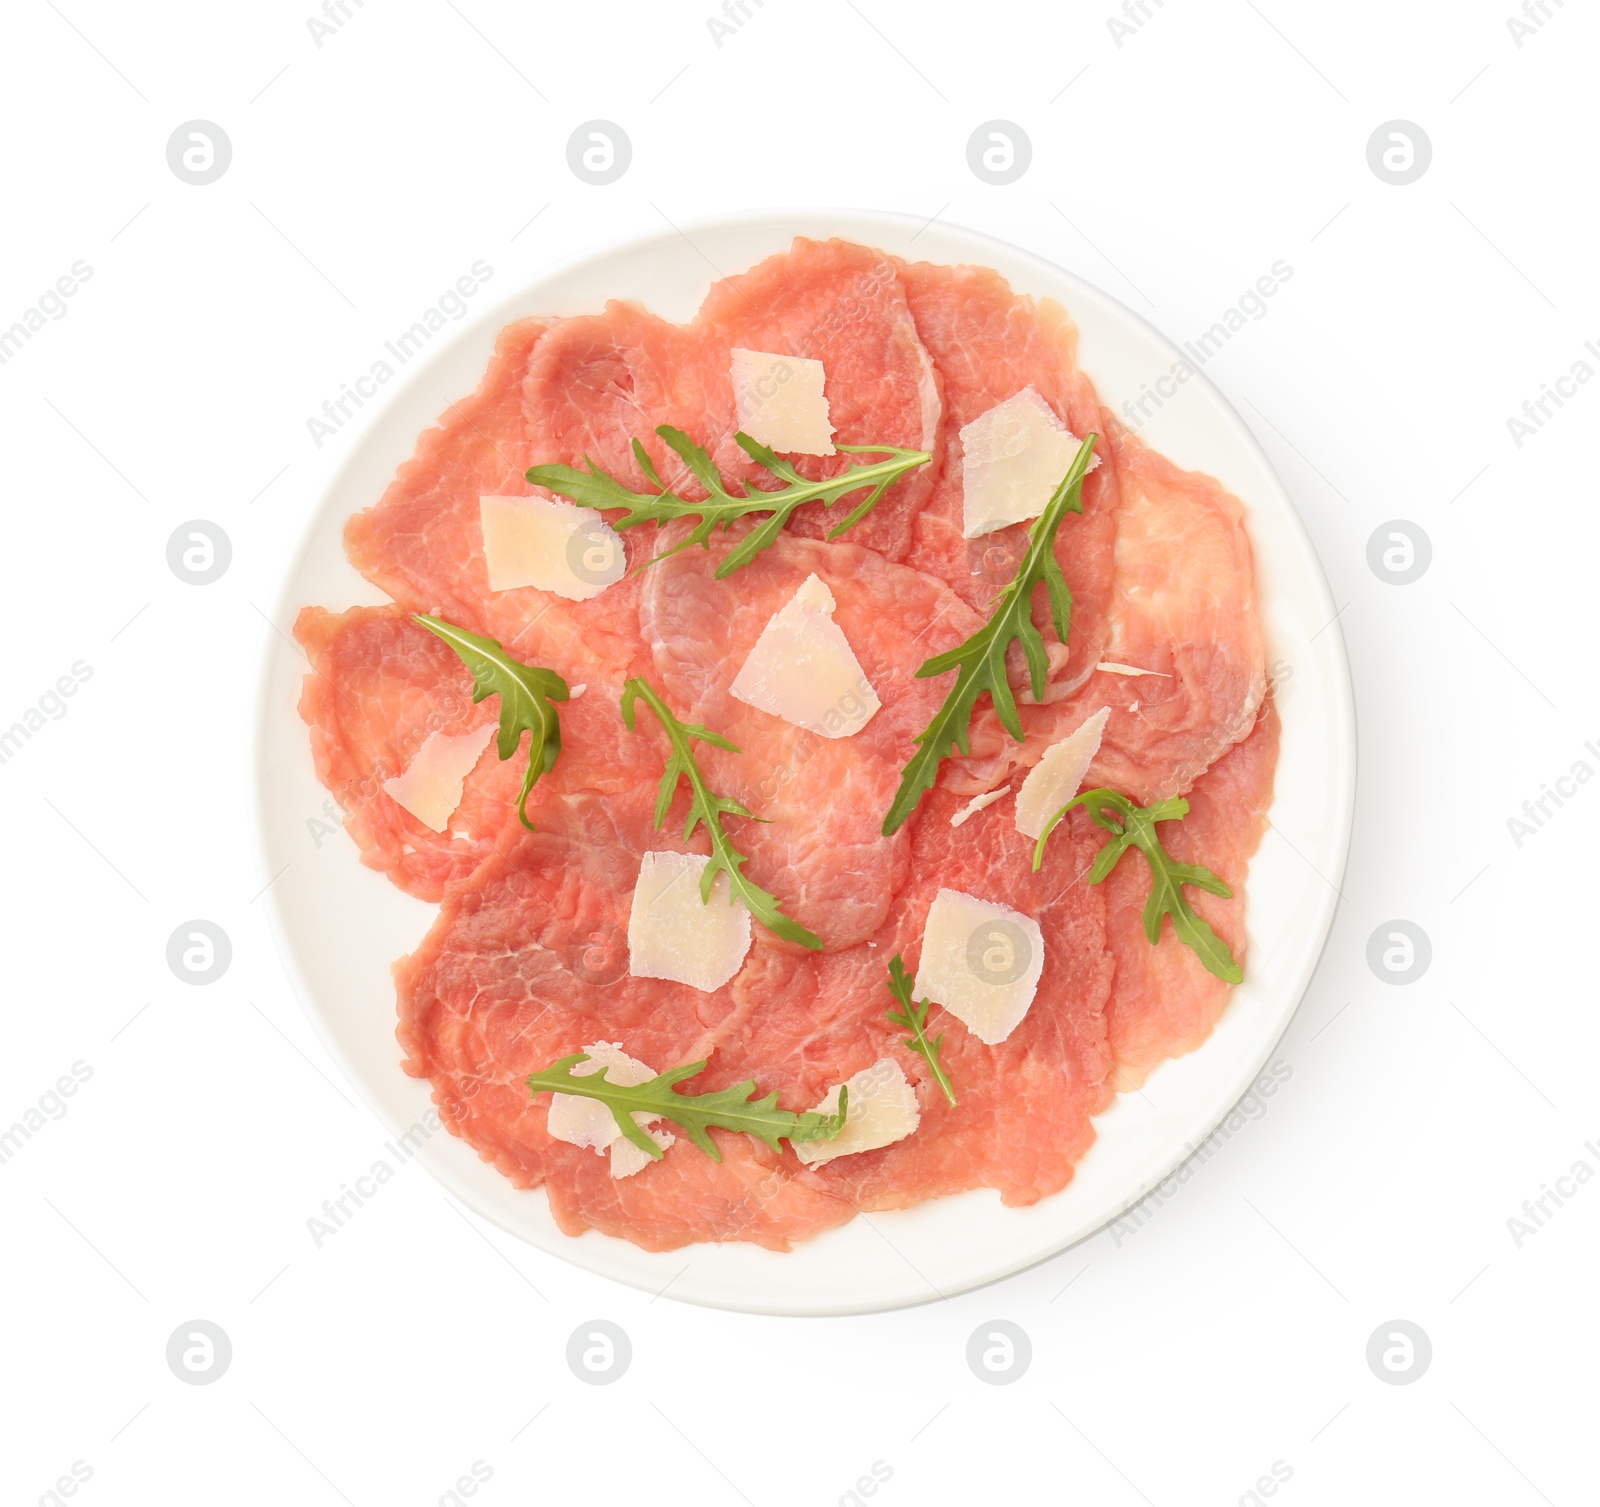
column 526, row 695
column 709, row 808
column 595, row 488
column 727, row 1109
column 915, row 1019
column 1132, row 825
column 981, row 660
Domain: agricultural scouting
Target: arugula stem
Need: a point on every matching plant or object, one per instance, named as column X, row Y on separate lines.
column 706, row 806
column 914, row 1017
column 1134, row 826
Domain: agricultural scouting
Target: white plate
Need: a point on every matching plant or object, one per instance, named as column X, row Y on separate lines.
column 340, row 925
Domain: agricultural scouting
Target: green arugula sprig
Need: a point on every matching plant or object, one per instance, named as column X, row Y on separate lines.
column 914, row 1017
column 595, row 488
column 1134, row 826
column 981, row 660
column 707, row 807
column 527, row 695
column 727, row 1109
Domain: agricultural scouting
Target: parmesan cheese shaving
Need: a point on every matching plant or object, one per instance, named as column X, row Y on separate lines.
column 589, row 1123
column 982, row 961
column 976, row 804
column 1055, row 779
column 1012, row 460
column 544, row 542
column 1111, row 667
column 780, row 402
column 626, row 1158
column 880, row 1109
column 803, row 669
column 430, row 787
column 673, row 935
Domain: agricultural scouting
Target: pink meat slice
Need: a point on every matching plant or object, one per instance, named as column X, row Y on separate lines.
column 597, row 383
column 527, row 963
column 1183, row 605
column 843, row 305
column 1022, row 1118
column 1023, row 1107
column 1164, row 1003
column 585, row 388
column 380, row 685
column 819, row 847
column 988, row 344
column 422, row 542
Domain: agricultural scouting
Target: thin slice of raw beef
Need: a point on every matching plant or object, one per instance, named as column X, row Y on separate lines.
column 527, row 963
column 988, row 344
column 380, row 685
column 583, row 389
column 819, row 846
column 843, row 305
column 1022, row 1117
column 1164, row 1003
column 422, row 542
column 598, row 382
column 1183, row 606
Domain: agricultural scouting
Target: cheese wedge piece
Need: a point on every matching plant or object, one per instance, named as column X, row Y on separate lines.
column 545, row 542
column 430, row 787
column 982, row 961
column 626, row 1158
column 803, row 669
column 1012, row 460
column 1057, row 777
column 780, row 402
column 673, row 935
column 880, row 1109
column 588, row 1122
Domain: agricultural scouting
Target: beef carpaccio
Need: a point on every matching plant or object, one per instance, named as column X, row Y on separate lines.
column 528, row 960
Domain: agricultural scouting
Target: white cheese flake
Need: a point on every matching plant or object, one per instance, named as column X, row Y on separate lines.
column 982, row 961
column 803, row 669
column 880, row 1109
column 1111, row 667
column 780, row 401
column 545, row 542
column 430, row 787
column 1055, row 779
column 589, row 1123
column 1012, row 460
column 673, row 935
column 976, row 804
column 626, row 1158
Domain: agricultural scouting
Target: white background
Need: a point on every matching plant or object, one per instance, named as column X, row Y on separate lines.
column 1174, row 1365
